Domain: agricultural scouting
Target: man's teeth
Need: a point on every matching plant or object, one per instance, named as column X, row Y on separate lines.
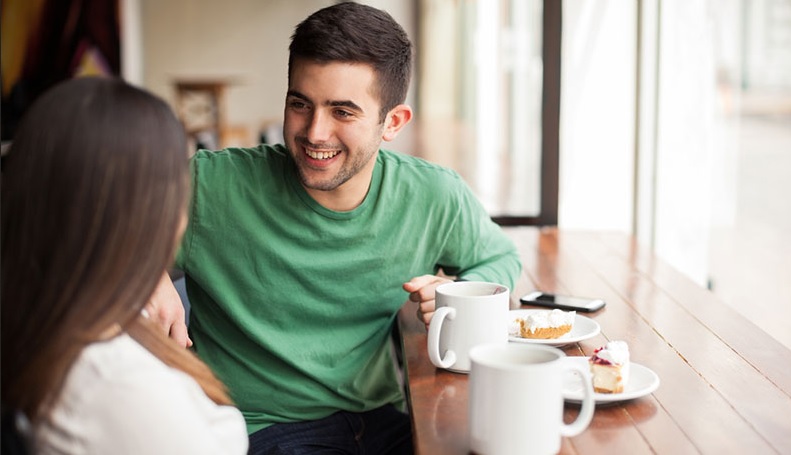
column 321, row 155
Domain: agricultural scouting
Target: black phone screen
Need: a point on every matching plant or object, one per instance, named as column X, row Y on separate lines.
column 562, row 302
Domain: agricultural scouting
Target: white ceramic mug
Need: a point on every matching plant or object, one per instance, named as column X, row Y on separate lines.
column 516, row 399
column 468, row 313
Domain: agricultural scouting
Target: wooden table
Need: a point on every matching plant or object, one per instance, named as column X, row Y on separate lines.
column 725, row 384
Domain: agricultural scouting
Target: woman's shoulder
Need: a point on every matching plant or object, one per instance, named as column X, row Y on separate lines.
column 126, row 373
column 118, row 394
column 120, row 359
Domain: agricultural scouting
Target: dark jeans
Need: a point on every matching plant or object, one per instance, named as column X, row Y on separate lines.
column 385, row 430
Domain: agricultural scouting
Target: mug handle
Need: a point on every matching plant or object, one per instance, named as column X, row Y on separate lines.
column 588, row 404
column 434, row 327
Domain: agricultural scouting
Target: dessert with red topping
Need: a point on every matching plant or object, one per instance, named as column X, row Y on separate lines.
column 609, row 366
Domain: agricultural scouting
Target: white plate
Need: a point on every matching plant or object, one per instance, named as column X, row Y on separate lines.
column 582, row 329
column 642, row 381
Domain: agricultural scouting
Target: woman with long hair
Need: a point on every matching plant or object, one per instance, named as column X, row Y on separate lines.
column 94, row 200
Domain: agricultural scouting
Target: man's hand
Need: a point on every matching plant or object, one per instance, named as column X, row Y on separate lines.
column 165, row 308
column 422, row 289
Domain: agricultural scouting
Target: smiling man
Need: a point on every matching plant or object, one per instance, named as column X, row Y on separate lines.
column 298, row 257
column 333, row 128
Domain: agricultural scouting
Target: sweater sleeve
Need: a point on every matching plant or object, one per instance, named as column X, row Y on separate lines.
column 182, row 254
column 476, row 247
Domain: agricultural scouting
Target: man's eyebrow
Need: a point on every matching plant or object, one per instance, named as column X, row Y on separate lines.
column 296, row 94
column 347, row 103
column 340, row 103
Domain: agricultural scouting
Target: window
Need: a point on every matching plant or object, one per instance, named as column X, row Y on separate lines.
column 489, row 74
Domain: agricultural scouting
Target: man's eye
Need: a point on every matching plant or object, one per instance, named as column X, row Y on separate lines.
column 343, row 114
column 296, row 104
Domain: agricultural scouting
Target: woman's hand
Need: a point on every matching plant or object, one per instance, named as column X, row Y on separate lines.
column 165, row 308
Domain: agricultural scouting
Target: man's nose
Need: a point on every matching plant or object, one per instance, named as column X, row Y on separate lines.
column 319, row 128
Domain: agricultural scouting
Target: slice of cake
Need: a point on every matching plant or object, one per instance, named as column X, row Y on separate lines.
column 546, row 324
column 610, row 367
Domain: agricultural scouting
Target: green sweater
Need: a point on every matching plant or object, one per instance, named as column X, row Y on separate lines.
column 293, row 304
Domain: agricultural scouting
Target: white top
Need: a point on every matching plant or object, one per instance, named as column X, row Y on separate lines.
column 120, row 399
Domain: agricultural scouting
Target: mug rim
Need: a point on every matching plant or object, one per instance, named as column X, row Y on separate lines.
column 475, row 355
column 462, row 284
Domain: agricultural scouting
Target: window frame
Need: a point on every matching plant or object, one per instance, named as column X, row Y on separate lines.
column 550, row 122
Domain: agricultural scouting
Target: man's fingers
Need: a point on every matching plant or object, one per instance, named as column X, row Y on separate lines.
column 425, row 318
column 423, row 288
column 418, row 282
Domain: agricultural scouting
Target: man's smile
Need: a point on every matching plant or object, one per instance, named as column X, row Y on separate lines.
column 321, row 154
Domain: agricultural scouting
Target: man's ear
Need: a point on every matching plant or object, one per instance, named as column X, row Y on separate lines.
column 396, row 119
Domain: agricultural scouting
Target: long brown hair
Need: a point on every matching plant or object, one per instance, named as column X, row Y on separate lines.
column 95, row 187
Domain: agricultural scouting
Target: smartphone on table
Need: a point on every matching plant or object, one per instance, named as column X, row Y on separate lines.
column 563, row 302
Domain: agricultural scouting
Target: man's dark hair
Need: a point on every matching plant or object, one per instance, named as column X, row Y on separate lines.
column 353, row 33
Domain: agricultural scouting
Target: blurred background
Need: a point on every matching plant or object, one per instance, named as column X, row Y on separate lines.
column 667, row 119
